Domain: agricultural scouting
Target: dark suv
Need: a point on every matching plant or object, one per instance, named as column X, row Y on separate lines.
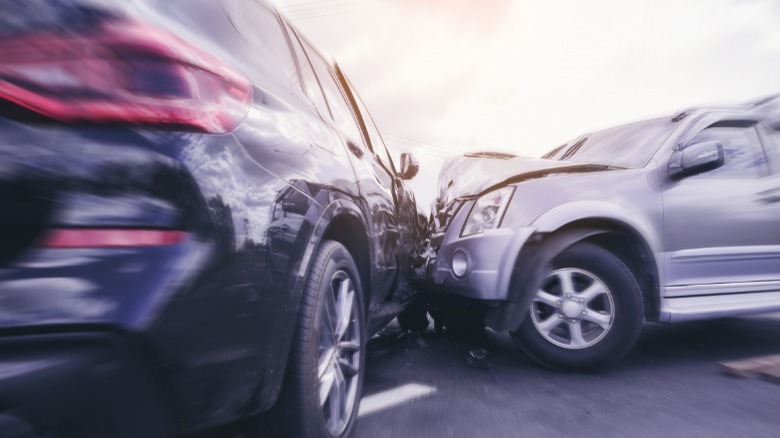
column 198, row 221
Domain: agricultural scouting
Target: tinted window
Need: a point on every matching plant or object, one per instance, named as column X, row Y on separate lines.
column 629, row 146
column 263, row 42
column 342, row 114
column 375, row 138
column 743, row 154
column 310, row 82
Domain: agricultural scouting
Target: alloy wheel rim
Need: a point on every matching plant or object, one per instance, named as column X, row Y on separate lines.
column 338, row 362
column 573, row 309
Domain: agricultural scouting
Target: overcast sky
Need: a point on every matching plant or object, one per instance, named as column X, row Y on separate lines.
column 446, row 76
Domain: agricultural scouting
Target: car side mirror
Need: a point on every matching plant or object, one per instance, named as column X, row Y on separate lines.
column 409, row 166
column 696, row 158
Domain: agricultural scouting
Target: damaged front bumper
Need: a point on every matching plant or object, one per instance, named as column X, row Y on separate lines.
column 478, row 266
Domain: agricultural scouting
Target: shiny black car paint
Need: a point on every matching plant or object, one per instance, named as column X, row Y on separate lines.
column 211, row 317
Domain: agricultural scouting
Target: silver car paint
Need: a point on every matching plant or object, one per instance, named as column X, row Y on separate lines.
column 736, row 271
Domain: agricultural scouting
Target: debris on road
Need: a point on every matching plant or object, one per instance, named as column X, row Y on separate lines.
column 766, row 367
column 477, row 358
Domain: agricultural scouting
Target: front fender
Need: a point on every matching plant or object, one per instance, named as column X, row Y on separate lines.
column 557, row 229
column 602, row 212
column 563, row 215
column 530, row 268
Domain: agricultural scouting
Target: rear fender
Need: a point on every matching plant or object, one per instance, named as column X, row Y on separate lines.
column 335, row 209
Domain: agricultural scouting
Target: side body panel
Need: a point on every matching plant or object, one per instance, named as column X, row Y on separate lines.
column 214, row 313
column 721, row 228
column 722, row 233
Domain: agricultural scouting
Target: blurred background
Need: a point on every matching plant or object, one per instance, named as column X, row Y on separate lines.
column 447, row 76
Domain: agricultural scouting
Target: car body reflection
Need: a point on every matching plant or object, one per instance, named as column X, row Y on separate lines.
column 174, row 177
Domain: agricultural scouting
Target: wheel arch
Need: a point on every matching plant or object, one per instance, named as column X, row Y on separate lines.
column 633, row 249
column 625, row 239
column 614, row 221
column 342, row 221
column 349, row 231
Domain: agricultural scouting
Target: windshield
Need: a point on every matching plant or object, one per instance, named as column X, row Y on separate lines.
column 629, row 146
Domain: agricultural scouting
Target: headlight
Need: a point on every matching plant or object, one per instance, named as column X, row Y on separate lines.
column 487, row 212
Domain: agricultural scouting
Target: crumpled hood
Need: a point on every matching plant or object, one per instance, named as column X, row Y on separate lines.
column 472, row 174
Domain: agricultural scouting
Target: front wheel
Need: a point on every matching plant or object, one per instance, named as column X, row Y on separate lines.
column 325, row 371
column 587, row 314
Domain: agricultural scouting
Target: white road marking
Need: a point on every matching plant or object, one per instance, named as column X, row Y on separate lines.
column 393, row 397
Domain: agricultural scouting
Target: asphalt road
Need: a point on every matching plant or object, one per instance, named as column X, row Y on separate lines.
column 670, row 386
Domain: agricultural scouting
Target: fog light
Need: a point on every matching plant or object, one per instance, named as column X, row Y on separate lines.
column 460, row 264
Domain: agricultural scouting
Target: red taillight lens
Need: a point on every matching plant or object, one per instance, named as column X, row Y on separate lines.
column 122, row 72
column 109, row 238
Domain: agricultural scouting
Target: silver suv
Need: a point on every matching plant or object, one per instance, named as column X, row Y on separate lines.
column 666, row 220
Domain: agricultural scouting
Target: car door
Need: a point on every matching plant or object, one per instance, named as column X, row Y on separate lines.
column 410, row 232
column 374, row 182
column 722, row 227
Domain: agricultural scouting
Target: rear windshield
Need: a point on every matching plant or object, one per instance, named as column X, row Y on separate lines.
column 629, row 146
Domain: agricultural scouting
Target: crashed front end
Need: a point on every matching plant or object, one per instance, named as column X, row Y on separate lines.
column 479, row 251
column 475, row 256
column 472, row 260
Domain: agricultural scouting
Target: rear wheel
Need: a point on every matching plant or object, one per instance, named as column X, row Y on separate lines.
column 587, row 314
column 325, row 372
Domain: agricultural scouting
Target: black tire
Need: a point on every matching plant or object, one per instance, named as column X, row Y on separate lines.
column 302, row 413
column 608, row 320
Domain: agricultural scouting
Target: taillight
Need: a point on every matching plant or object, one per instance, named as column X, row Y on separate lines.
column 109, row 238
column 122, row 72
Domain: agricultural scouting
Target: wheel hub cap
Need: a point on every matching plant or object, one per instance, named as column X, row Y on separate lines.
column 571, row 309
column 574, row 309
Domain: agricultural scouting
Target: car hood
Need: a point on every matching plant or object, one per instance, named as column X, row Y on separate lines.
column 471, row 175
